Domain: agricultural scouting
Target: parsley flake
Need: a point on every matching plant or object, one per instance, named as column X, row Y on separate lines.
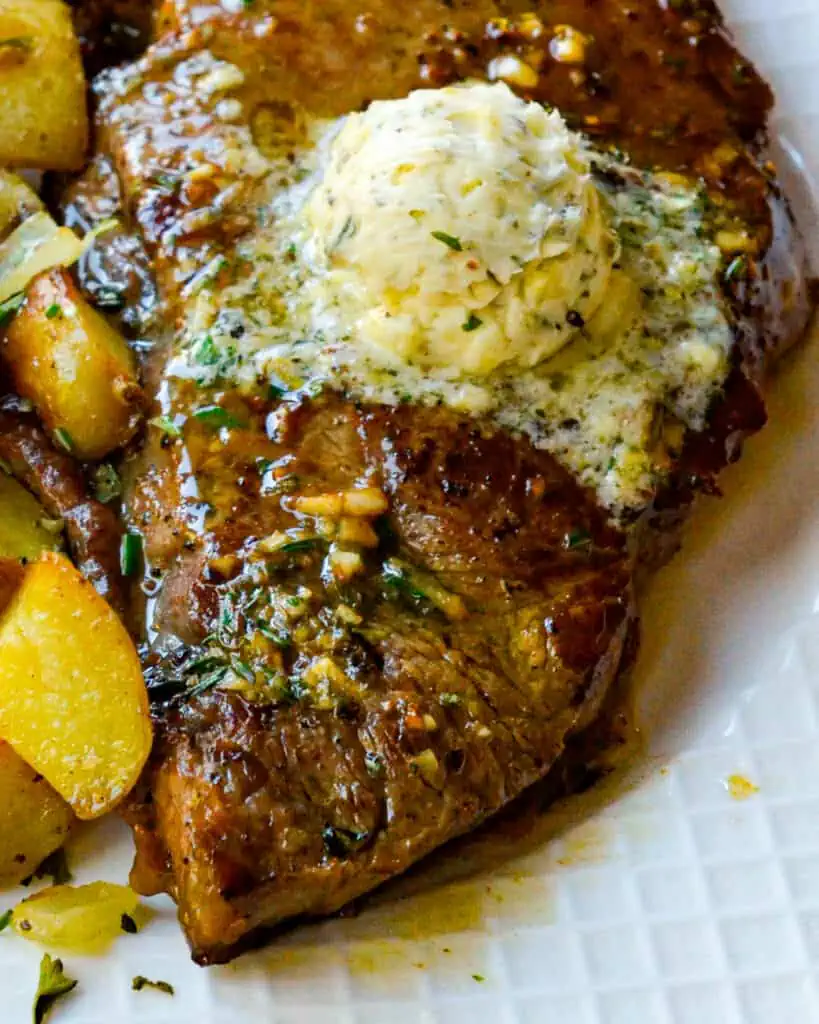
column 449, row 240
column 53, row 984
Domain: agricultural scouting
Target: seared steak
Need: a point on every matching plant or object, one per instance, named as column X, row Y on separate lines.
column 406, row 704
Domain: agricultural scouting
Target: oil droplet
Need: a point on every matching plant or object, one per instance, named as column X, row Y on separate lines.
column 740, row 788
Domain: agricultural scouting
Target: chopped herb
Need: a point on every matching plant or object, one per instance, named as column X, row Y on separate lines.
column 244, row 670
column 18, row 42
column 139, row 983
column 449, row 240
column 64, row 439
column 53, row 984
column 107, row 484
column 55, row 866
column 128, row 924
column 577, row 539
column 279, row 639
column 450, row 700
column 109, row 298
column 737, row 268
column 472, row 323
column 130, row 554
column 166, row 425
column 478, row 977
column 294, row 547
column 206, row 352
column 53, row 311
column 340, row 842
column 214, row 416
column 374, row 765
column 398, row 578
column 5, row 919
column 208, row 681
column 275, row 392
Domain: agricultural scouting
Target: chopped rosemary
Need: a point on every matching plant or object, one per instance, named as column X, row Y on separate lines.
column 449, row 240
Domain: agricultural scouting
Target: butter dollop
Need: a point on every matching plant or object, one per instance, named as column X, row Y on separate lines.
column 457, row 229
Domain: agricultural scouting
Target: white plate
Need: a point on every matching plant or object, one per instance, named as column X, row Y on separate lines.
column 675, row 904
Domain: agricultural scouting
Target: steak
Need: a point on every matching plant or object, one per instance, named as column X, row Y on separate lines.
column 407, row 704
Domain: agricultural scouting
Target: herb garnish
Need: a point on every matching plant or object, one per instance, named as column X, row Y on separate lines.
column 139, row 982
column 472, row 323
column 53, row 984
column 53, row 311
column 5, row 919
column 215, row 416
column 107, row 484
column 449, row 240
column 166, row 425
column 56, row 867
column 130, row 554
column 10, row 307
column 64, row 439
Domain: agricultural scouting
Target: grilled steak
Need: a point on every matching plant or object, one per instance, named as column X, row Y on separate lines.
column 406, row 703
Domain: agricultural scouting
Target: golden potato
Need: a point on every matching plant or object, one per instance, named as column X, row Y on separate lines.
column 42, row 87
column 34, row 821
column 17, row 201
column 75, row 368
column 86, row 918
column 73, row 702
column 22, row 534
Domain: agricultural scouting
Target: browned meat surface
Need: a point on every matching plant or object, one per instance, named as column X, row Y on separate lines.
column 92, row 530
column 387, row 713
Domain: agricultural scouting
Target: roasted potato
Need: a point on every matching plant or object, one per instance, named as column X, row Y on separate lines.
column 34, row 821
column 22, row 533
column 42, row 87
column 73, row 702
column 74, row 367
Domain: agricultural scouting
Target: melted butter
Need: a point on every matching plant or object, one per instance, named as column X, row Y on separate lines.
column 611, row 403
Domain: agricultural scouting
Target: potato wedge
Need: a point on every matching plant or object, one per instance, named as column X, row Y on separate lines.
column 73, row 702
column 22, row 534
column 86, row 918
column 34, row 820
column 17, row 202
column 75, row 368
column 42, row 87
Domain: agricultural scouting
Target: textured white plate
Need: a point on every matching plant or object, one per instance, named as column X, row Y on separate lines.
column 676, row 904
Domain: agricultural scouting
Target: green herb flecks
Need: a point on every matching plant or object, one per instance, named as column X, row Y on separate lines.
column 64, row 439
column 130, row 554
column 5, row 919
column 139, row 982
column 399, row 579
column 215, row 417
column 341, row 842
column 52, row 985
column 107, row 484
column 449, row 240
column 53, row 311
column 576, row 539
column 472, row 323
column 55, row 866
column 10, row 307
column 167, row 425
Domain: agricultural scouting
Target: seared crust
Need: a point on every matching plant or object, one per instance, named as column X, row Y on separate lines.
column 252, row 813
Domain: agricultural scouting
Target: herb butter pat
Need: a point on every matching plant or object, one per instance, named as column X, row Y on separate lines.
column 462, row 246
column 457, row 230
